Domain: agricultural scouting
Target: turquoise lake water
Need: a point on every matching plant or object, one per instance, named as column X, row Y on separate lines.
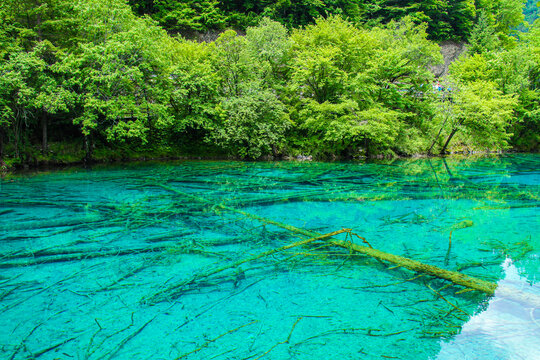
column 121, row 262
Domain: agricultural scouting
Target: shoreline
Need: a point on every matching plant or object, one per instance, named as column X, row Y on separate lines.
column 52, row 165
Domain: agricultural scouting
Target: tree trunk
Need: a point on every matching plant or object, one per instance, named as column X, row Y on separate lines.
column 87, row 149
column 454, row 131
column 430, row 151
column 1, row 142
column 44, row 144
column 17, row 137
column 367, row 147
column 38, row 23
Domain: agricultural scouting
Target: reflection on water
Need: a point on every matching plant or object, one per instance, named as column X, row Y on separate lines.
column 506, row 329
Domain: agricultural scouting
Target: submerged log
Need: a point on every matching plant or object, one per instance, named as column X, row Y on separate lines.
column 75, row 255
column 46, row 224
column 453, row 276
column 178, row 288
column 457, row 278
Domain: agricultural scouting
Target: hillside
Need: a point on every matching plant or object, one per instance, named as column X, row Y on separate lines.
column 446, row 19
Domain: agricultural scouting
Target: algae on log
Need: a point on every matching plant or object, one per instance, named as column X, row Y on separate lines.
column 453, row 276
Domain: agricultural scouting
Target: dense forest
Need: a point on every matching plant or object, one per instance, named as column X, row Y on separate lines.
column 106, row 79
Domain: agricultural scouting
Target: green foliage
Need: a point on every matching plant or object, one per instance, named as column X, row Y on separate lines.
column 183, row 15
column 508, row 69
column 515, row 72
column 252, row 125
column 117, row 73
column 483, row 36
column 291, row 13
column 357, row 89
column 31, row 21
column 504, row 16
column 479, row 112
column 98, row 20
column 508, row 13
column 30, row 88
column 446, row 19
column 251, row 120
column 269, row 43
column 93, row 72
column 531, row 11
column 531, row 43
column 527, row 128
column 194, row 87
column 233, row 65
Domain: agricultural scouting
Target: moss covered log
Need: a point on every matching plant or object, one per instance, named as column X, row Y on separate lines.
column 489, row 288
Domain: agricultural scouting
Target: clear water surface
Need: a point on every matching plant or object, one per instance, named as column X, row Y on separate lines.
column 121, row 262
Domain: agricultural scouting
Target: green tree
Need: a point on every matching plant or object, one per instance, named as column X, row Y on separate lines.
column 253, row 119
column 269, row 44
column 508, row 13
column 527, row 129
column 121, row 95
column 16, row 95
column 253, row 124
column 31, row 33
column 514, row 72
column 232, row 63
column 327, row 56
column 483, row 36
column 446, row 19
column 360, row 89
column 33, row 21
column 478, row 111
column 32, row 91
column 195, row 89
column 119, row 75
column 183, row 16
column 401, row 82
column 505, row 15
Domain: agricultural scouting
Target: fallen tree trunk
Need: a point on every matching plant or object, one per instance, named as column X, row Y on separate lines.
column 453, row 276
column 80, row 255
column 176, row 289
column 457, row 278
column 77, row 256
column 46, row 224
